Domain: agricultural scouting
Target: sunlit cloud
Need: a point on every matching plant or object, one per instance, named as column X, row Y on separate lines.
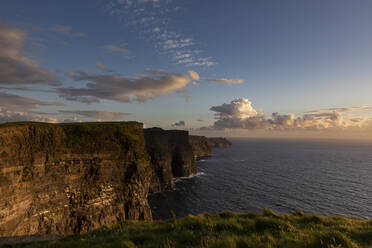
column 103, row 67
column 226, row 81
column 122, row 88
column 347, row 109
column 15, row 116
column 240, row 114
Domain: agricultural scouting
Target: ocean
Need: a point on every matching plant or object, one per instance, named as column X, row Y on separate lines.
column 320, row 177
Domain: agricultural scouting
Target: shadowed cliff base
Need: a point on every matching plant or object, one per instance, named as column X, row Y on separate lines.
column 228, row 229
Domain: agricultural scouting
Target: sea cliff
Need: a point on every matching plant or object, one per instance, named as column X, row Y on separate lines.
column 73, row 178
column 171, row 156
column 218, row 142
column 202, row 146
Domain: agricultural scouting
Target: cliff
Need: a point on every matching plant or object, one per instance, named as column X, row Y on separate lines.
column 218, row 142
column 200, row 146
column 73, row 178
column 171, row 156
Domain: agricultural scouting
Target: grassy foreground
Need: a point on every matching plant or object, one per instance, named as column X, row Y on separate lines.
column 228, row 229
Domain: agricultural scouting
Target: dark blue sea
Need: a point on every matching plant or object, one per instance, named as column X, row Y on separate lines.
column 320, row 177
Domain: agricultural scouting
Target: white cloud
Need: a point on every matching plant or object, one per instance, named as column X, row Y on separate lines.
column 239, row 114
column 151, row 18
column 15, row 116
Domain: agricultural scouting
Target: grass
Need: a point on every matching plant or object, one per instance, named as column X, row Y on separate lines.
column 228, row 229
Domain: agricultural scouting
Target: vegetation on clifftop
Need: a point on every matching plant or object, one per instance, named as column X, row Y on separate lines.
column 228, row 229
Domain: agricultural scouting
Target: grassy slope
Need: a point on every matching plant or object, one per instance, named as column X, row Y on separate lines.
column 228, row 229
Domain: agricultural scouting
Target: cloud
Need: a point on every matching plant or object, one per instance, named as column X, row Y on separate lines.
column 14, row 116
column 156, row 72
column 181, row 43
column 19, row 103
column 65, row 30
column 226, row 81
column 58, row 29
column 124, row 52
column 126, row 89
column 194, row 75
column 103, row 67
column 27, row 89
column 179, row 124
column 151, row 20
column 239, row 114
column 236, row 109
column 347, row 109
column 16, row 68
column 97, row 115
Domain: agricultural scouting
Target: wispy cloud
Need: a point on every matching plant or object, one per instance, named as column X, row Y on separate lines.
column 126, row 89
column 20, row 103
column 17, row 69
column 103, row 67
column 344, row 109
column 121, row 50
column 58, row 29
column 226, row 81
column 151, row 19
column 97, row 115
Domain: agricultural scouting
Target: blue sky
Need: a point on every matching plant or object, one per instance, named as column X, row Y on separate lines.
column 285, row 56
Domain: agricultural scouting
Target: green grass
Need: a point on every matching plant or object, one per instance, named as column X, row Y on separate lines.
column 228, row 229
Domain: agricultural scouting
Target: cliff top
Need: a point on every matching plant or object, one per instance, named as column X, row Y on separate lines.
column 228, row 229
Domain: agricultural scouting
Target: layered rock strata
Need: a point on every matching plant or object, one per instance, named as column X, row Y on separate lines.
column 71, row 178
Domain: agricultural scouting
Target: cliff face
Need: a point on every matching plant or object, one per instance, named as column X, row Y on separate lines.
column 200, row 146
column 72, row 178
column 218, row 142
column 171, row 156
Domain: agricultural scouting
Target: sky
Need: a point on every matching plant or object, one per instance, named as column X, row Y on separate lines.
column 276, row 68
